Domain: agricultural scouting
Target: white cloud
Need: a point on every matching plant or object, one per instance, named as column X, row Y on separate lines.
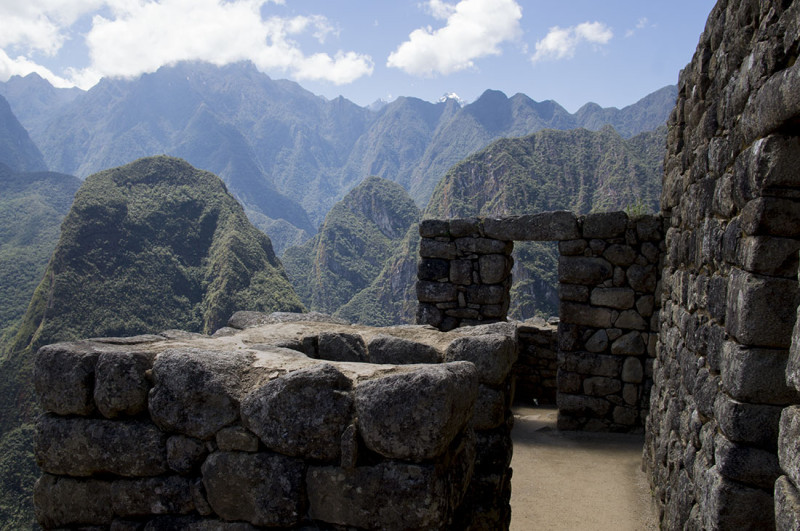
column 21, row 66
column 561, row 43
column 640, row 24
column 132, row 37
column 474, row 29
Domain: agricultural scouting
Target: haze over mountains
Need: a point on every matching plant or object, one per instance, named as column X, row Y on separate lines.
column 285, row 153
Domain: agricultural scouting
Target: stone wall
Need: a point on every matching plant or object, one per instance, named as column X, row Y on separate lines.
column 608, row 274
column 536, row 370
column 278, row 422
column 730, row 199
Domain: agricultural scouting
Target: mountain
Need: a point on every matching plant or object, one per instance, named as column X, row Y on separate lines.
column 285, row 153
column 359, row 234
column 32, row 207
column 153, row 245
column 17, row 151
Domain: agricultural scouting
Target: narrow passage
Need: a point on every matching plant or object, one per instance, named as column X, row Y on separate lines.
column 574, row 481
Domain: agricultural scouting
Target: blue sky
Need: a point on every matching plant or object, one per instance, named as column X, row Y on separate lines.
column 611, row 52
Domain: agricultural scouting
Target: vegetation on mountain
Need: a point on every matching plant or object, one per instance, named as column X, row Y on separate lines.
column 149, row 246
column 359, row 234
column 17, row 151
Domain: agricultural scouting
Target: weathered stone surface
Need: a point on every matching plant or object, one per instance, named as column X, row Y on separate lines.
column 152, row 496
column 263, row 489
column 432, row 269
column 605, row 225
column 572, row 247
column 486, row 294
column 492, row 354
column 63, row 376
column 490, row 408
column 761, row 310
column 573, row 292
column 302, row 414
column 196, row 391
column 755, row 424
column 493, row 268
column 772, row 216
column 632, row 371
column 787, row 505
column 630, row 344
column 789, row 442
column 583, row 314
column 591, row 364
column 431, row 228
column 620, row 298
column 583, row 270
column 484, row 246
column 460, row 272
column 435, row 291
column 61, row 502
column 739, row 367
column 581, row 405
column 464, row 227
column 598, row 342
column 436, row 249
column 83, row 447
column 121, row 384
column 745, row 464
column 601, row 386
column 545, row 226
column 337, row 346
column 236, row 439
column 642, row 278
column 731, row 505
column 398, row 351
column 437, row 400
column 631, row 320
column 184, row 454
column 620, row 255
column 768, row 255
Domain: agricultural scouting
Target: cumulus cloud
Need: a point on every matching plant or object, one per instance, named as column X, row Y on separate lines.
column 474, row 29
column 132, row 37
column 38, row 25
column 561, row 43
column 20, row 66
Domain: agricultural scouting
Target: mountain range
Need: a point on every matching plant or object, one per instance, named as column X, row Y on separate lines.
column 285, row 153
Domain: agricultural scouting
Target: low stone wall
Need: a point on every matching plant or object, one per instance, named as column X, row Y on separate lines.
column 536, row 370
column 281, row 423
column 609, row 269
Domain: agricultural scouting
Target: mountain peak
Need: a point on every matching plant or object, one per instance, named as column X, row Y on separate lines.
column 452, row 96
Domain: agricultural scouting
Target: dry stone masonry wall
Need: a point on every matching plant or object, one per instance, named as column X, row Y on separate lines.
column 719, row 433
column 609, row 268
column 278, row 422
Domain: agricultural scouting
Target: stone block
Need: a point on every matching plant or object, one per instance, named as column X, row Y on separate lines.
column 591, row 364
column 460, row 272
column 620, row 255
column 437, row 400
column 755, row 374
column 152, row 496
column 731, row 505
column 598, row 342
column 581, row 405
column 583, row 314
column 490, row 408
column 337, row 346
column 632, row 371
column 631, row 320
column 787, row 505
column 384, row 349
column 60, row 502
column 642, row 278
column 772, row 216
column 769, row 165
column 493, row 268
column 601, row 386
column 196, row 391
column 626, row 416
column 262, row 489
column 605, row 225
column 569, row 382
column 432, row 269
column 428, row 314
column 75, row 446
column 435, row 249
column 620, row 298
column 746, row 464
column 789, row 442
column 761, row 310
column 583, row 270
column 236, row 439
column 573, row 292
column 432, row 228
column 121, row 384
column 63, row 376
column 483, row 246
column 768, row 255
column 492, row 354
column 648, row 228
column 754, row 424
column 436, row 291
column 486, row 294
column 630, row 344
column 184, row 454
column 302, row 414
column 572, row 247
column 545, row 226
column 464, row 227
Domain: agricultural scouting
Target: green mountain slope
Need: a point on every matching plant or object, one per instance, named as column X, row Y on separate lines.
column 153, row 245
column 358, row 236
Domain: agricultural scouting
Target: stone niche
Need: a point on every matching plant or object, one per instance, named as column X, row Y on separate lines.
column 288, row 420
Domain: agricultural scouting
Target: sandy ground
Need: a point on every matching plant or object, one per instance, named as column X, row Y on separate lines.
column 575, row 481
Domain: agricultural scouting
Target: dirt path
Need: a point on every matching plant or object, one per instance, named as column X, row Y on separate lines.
column 574, row 481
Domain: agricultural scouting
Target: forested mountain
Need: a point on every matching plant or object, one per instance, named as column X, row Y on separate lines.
column 17, row 151
column 576, row 170
column 359, row 234
column 285, row 153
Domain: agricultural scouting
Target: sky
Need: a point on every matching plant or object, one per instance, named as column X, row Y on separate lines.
column 611, row 52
